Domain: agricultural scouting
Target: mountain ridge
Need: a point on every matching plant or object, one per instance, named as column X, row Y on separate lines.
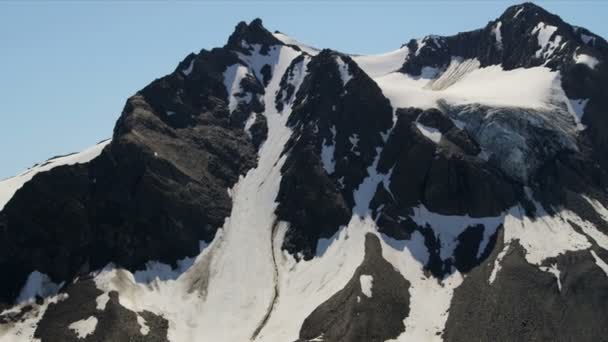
column 295, row 190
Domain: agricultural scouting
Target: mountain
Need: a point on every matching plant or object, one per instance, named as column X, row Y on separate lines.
column 453, row 189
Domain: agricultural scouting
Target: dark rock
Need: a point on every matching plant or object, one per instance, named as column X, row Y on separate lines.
column 326, row 112
column 153, row 194
column 245, row 35
column 350, row 315
column 114, row 322
column 540, row 311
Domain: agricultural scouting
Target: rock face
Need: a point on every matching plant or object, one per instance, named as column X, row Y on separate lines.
column 352, row 314
column 270, row 191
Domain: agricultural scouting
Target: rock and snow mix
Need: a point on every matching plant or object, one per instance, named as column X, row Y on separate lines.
column 429, row 132
column 9, row 186
column 245, row 276
column 232, row 81
column 544, row 34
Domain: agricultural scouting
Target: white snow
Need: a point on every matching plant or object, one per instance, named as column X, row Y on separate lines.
column 589, row 61
column 555, row 271
column 545, row 236
column 250, row 121
column 497, row 34
column 448, row 227
column 380, row 65
column 430, row 132
column 366, row 282
column 327, row 153
column 429, row 298
column 188, row 70
column 84, row 327
column 521, row 9
column 304, row 285
column 37, row 284
column 232, row 81
column 102, row 301
column 9, row 186
column 344, row 70
column 528, row 88
column 366, row 190
column 600, row 263
column 170, row 113
column 291, row 41
column 497, row 262
column 143, row 327
column 544, row 33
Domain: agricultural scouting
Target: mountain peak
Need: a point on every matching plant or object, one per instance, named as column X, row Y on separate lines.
column 308, row 194
column 252, row 33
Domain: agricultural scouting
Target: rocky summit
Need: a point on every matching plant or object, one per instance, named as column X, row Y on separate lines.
column 454, row 189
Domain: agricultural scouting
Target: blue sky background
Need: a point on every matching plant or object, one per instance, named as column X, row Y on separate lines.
column 66, row 68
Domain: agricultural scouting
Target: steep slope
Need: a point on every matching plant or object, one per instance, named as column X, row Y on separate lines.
column 453, row 189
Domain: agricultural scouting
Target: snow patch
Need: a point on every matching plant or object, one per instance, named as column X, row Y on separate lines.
column 589, row 61
column 9, row 186
column 37, row 284
column 366, row 282
column 555, row 271
column 430, row 298
column 600, row 263
column 430, row 132
column 544, row 236
column 188, row 70
column 344, row 70
column 143, row 327
column 366, row 190
column 380, row 65
column 250, row 121
column 102, row 301
column 292, row 41
column 497, row 262
column 84, row 327
column 497, row 34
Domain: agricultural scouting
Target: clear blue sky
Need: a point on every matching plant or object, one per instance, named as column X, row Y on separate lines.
column 66, row 68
